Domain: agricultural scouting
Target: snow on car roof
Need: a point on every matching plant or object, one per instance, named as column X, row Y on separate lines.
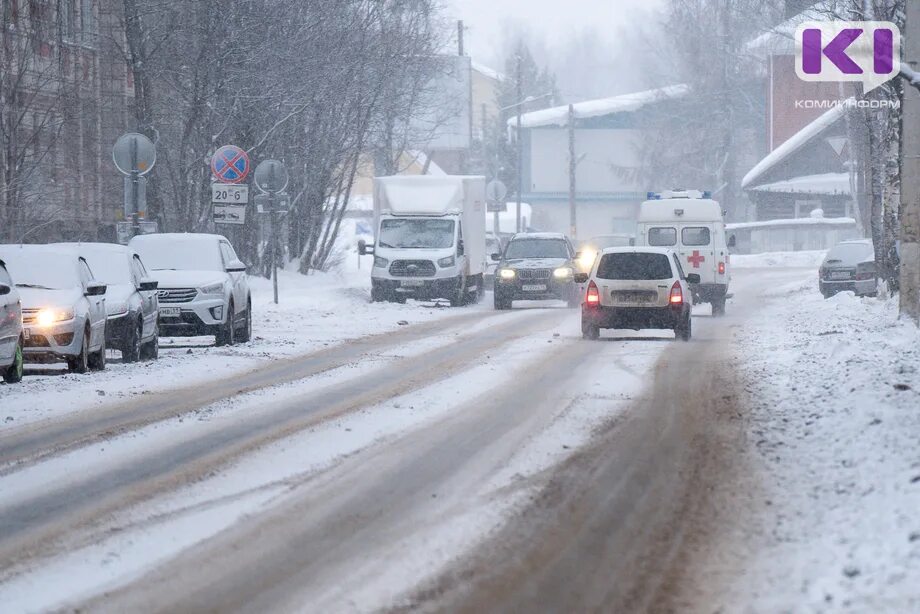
column 177, row 236
column 538, row 235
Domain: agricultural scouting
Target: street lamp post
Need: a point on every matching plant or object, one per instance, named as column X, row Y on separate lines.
column 520, row 146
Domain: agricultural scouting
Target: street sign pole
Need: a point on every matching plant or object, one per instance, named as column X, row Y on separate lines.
column 135, row 177
column 272, row 179
column 134, row 156
column 274, row 243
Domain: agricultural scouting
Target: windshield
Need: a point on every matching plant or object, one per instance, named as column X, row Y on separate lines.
column 417, row 234
column 634, row 267
column 537, row 248
column 109, row 267
column 850, row 253
column 44, row 270
column 178, row 254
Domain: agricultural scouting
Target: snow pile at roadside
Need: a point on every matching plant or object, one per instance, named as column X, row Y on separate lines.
column 787, row 260
column 835, row 421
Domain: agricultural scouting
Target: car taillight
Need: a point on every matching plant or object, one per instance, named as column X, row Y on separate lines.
column 677, row 295
column 865, row 271
column 721, row 268
column 593, row 297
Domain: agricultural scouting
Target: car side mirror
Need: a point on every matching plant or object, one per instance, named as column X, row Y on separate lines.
column 578, row 255
column 581, row 278
column 148, row 285
column 5, row 289
column 236, row 267
column 95, row 289
column 732, row 241
column 364, row 249
column 496, row 257
column 693, row 278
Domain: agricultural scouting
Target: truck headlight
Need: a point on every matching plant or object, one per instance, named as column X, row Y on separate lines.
column 563, row 273
column 47, row 317
column 446, row 262
column 212, row 289
column 381, row 263
column 507, row 274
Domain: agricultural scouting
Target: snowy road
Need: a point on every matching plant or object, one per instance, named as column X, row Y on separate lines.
column 486, row 459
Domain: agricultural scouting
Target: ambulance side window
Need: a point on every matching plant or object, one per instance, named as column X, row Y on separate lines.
column 662, row 237
column 695, row 236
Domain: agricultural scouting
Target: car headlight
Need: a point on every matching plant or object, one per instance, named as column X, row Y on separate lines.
column 446, row 262
column 212, row 289
column 381, row 263
column 563, row 273
column 116, row 309
column 47, row 317
column 587, row 258
column 507, row 274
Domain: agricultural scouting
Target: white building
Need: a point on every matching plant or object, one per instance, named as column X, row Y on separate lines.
column 608, row 139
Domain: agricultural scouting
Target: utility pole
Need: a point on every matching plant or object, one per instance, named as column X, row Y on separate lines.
column 460, row 38
column 573, row 169
column 520, row 142
column 910, row 174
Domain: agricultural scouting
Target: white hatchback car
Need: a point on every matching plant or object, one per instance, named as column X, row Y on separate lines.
column 203, row 287
column 637, row 288
column 11, row 340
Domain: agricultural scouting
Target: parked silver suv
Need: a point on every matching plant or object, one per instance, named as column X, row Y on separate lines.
column 203, row 287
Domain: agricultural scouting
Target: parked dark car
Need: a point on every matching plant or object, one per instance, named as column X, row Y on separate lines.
column 536, row 266
column 849, row 266
column 131, row 303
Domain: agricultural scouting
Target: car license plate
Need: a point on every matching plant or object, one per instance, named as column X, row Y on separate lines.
column 170, row 312
column 412, row 283
column 533, row 288
column 840, row 275
column 26, row 334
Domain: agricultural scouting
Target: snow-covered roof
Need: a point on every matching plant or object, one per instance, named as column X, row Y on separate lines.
column 828, row 184
column 796, row 142
column 627, row 103
column 794, row 223
column 780, row 39
column 491, row 73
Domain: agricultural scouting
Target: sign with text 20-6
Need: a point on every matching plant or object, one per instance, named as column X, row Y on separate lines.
column 868, row 52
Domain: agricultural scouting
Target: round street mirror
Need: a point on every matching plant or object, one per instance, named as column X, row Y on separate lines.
column 134, row 153
column 271, row 176
column 496, row 191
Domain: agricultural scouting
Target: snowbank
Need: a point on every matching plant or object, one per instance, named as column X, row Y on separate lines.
column 808, row 260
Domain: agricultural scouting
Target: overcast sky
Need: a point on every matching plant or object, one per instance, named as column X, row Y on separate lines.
column 552, row 25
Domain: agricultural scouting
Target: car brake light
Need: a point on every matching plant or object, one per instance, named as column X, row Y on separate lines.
column 677, row 295
column 593, row 297
column 721, row 268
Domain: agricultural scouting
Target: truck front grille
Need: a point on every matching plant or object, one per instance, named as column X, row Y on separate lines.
column 412, row 268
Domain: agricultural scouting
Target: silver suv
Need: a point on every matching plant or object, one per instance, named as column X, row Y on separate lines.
column 203, row 286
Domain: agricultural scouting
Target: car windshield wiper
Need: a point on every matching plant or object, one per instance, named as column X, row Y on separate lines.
column 382, row 244
column 34, row 286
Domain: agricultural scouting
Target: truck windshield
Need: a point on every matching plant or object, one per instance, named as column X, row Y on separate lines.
column 536, row 248
column 417, row 234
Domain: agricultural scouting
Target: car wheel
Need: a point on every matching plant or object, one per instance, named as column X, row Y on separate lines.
column 685, row 330
column 80, row 363
column 501, row 303
column 151, row 350
column 377, row 295
column 460, row 297
column 590, row 331
column 227, row 333
column 131, row 352
column 246, row 332
column 96, row 360
column 13, row 374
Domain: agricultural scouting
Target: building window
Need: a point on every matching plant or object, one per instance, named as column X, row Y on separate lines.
column 68, row 20
column 87, row 21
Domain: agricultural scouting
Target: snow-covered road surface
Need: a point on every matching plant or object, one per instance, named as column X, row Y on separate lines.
column 466, row 459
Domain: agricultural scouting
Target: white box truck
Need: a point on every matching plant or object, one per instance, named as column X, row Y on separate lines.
column 430, row 238
column 692, row 224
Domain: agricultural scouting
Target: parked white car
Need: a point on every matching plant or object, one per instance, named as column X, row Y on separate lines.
column 131, row 304
column 63, row 306
column 203, row 286
column 10, row 329
column 637, row 288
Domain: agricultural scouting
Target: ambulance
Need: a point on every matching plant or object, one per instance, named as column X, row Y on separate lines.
column 691, row 224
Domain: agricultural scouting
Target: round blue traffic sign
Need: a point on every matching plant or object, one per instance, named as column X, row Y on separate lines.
column 230, row 164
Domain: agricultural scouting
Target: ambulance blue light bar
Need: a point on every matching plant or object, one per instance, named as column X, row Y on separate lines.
column 681, row 193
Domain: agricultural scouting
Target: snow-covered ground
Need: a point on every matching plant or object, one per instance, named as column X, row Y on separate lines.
column 830, row 501
column 314, row 312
